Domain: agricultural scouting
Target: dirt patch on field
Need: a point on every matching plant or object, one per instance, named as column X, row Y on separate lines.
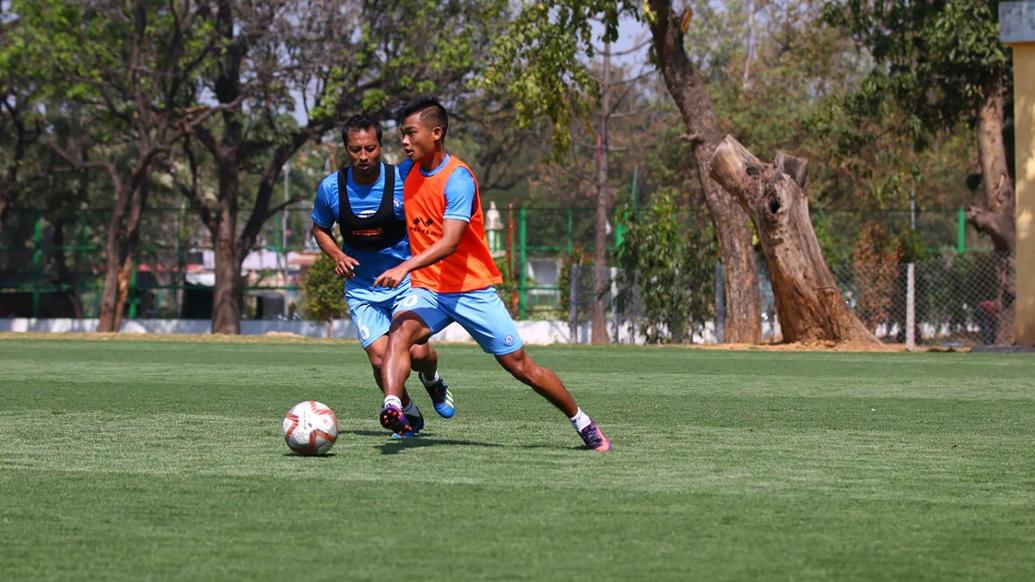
column 286, row 338
column 827, row 347
column 272, row 338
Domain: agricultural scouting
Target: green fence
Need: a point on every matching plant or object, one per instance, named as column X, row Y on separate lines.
column 53, row 265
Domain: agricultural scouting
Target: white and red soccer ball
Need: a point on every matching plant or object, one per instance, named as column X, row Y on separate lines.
column 310, row 428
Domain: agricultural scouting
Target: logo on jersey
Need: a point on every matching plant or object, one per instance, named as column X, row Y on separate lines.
column 423, row 225
column 508, row 340
column 364, row 332
column 410, row 301
column 368, row 231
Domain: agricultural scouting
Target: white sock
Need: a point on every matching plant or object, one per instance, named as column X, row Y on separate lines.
column 411, row 409
column 581, row 420
column 393, row 401
column 430, row 382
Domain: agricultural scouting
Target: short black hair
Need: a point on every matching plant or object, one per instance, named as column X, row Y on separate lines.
column 431, row 112
column 359, row 123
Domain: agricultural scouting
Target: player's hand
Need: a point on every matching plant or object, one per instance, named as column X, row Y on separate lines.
column 391, row 278
column 345, row 266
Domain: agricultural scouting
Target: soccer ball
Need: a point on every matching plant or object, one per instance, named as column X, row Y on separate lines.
column 310, row 428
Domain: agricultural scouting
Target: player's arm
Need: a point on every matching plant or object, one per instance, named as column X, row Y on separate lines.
column 452, row 232
column 344, row 265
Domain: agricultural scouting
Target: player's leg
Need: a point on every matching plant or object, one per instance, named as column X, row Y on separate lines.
column 419, row 319
column 424, row 360
column 548, row 385
column 485, row 317
column 544, row 381
column 376, row 352
column 372, row 321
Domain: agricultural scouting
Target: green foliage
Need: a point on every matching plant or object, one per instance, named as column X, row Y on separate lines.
column 322, row 298
column 934, row 59
column 670, row 264
column 536, row 61
column 875, row 270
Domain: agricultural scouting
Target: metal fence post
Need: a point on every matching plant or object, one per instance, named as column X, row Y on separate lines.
column 573, row 306
column 571, row 232
column 522, row 258
column 132, row 297
column 910, row 306
column 961, row 231
column 615, row 327
column 37, row 263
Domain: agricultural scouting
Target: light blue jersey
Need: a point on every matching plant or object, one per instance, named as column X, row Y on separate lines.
column 459, row 191
column 365, row 200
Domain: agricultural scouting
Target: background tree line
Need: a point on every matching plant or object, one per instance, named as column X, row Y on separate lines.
column 122, row 105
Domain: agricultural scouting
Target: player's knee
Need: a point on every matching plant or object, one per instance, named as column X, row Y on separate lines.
column 518, row 365
column 420, row 352
column 407, row 330
column 376, row 360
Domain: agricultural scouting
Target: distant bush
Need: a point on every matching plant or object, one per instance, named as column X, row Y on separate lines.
column 322, row 293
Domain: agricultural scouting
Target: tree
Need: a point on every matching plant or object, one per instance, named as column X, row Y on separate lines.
column 666, row 258
column 129, row 65
column 687, row 87
column 322, row 293
column 537, row 60
column 808, row 302
column 20, row 123
column 333, row 60
column 943, row 63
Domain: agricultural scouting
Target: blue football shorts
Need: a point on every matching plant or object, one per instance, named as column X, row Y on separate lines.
column 372, row 312
column 480, row 312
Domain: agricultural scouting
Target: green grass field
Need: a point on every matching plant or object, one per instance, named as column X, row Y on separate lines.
column 145, row 459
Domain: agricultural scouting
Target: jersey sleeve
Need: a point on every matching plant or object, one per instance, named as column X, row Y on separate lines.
column 325, row 211
column 404, row 168
column 397, row 200
column 460, row 195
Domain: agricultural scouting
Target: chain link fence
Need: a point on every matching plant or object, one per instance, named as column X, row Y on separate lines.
column 53, row 266
column 955, row 299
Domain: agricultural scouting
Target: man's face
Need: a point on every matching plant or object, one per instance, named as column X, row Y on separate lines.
column 418, row 139
column 363, row 150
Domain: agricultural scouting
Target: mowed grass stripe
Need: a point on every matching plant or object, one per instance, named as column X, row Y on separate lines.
column 163, row 460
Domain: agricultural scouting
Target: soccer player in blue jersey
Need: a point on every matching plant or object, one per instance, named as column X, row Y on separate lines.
column 366, row 200
column 454, row 275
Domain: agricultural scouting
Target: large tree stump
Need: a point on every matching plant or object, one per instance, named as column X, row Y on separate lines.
column 808, row 302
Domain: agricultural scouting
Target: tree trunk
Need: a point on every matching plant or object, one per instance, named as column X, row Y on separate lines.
column 227, row 295
column 125, row 272
column 996, row 217
column 109, row 295
column 601, row 275
column 108, row 320
column 5, row 207
column 743, row 313
column 808, row 303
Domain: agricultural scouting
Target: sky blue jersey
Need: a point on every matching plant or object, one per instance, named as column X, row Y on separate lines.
column 365, row 200
column 459, row 191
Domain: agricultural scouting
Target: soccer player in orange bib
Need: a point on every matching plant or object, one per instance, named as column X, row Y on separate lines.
column 453, row 275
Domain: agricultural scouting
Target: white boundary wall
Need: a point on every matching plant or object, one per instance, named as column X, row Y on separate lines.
column 533, row 332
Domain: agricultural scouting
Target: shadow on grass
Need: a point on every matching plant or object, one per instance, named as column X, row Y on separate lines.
column 323, row 456
column 396, row 446
column 427, row 439
column 366, row 433
column 553, row 447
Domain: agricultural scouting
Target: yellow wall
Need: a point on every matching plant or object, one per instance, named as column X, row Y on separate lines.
column 1024, row 115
